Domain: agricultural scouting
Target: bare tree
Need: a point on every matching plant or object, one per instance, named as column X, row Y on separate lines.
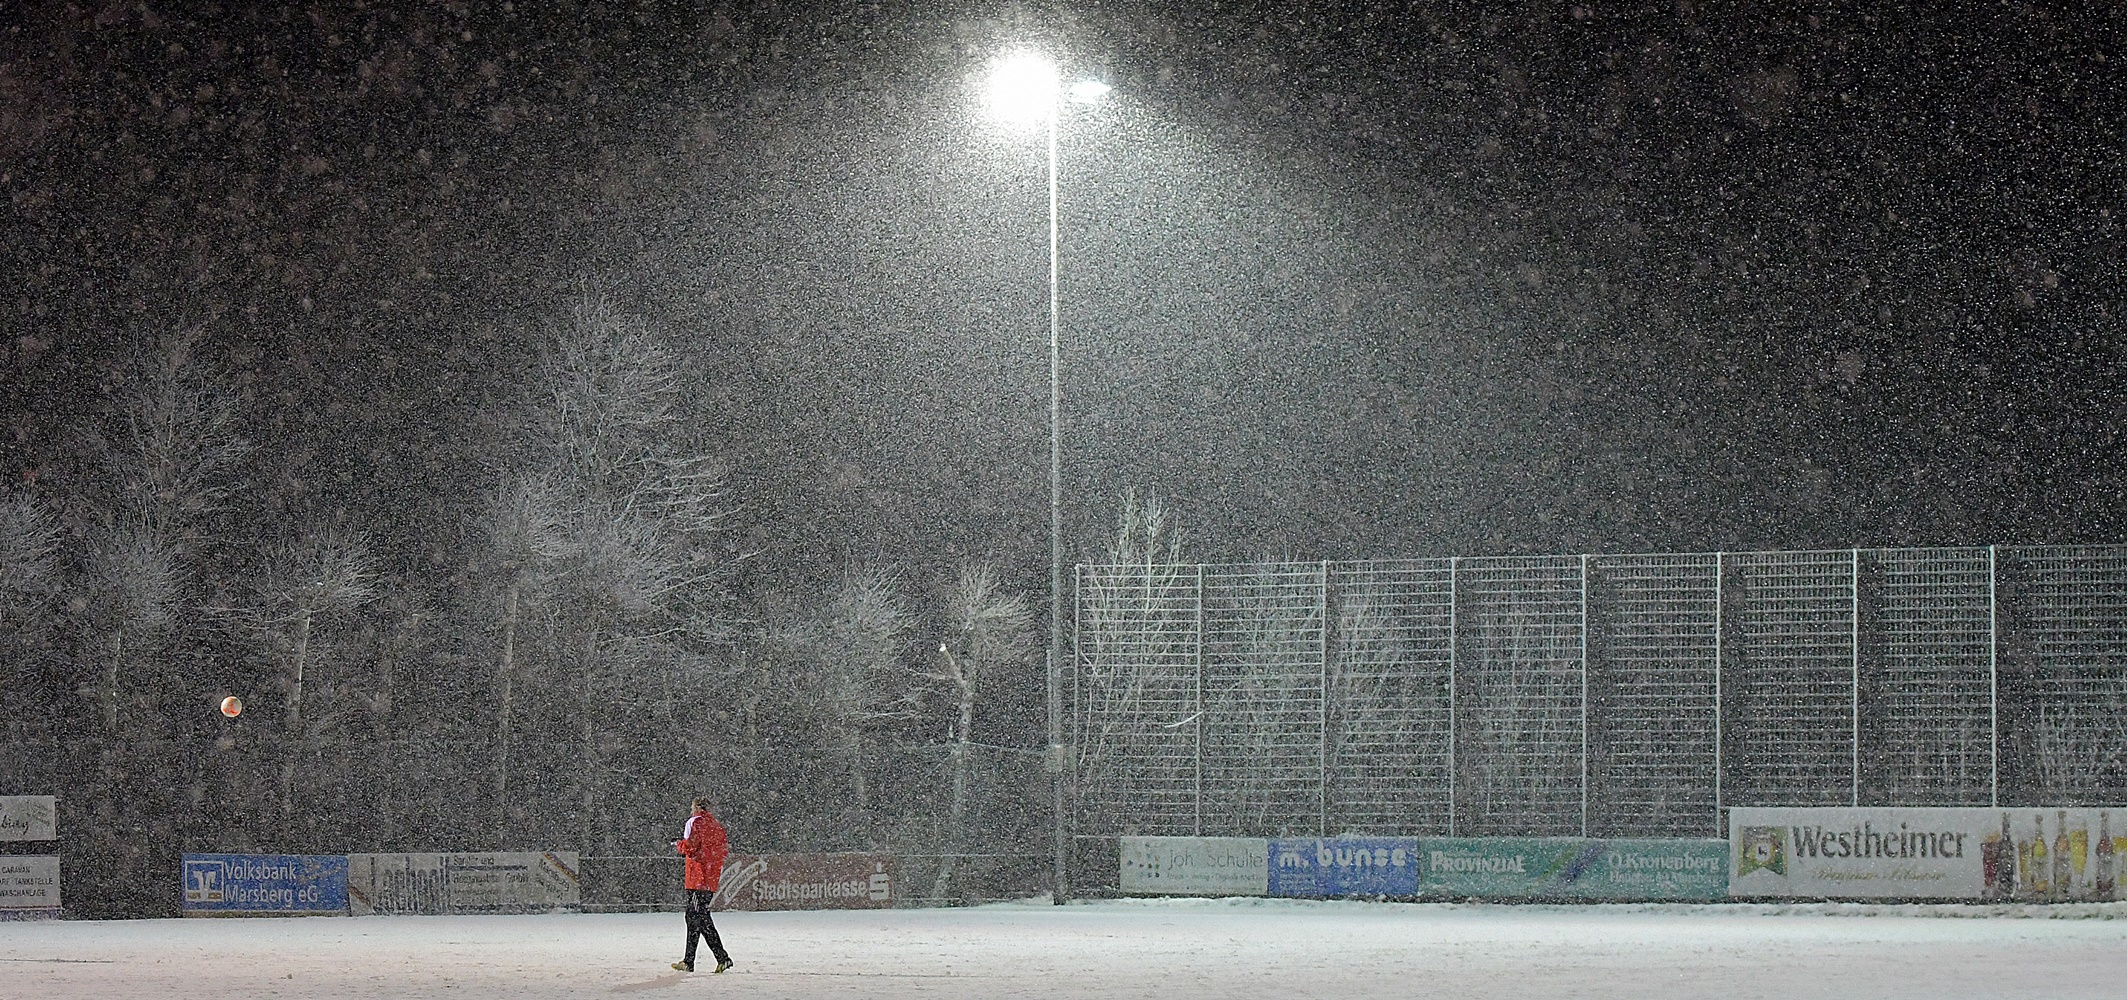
column 527, row 545
column 1138, row 658
column 987, row 631
column 300, row 584
column 130, row 592
column 166, row 454
column 29, row 577
column 858, row 641
column 612, row 526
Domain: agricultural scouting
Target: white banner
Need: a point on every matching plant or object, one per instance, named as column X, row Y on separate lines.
column 2038, row 854
column 1196, row 866
column 498, row 882
column 29, row 817
column 29, row 884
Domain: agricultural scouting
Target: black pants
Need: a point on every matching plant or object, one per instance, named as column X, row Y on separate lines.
column 700, row 927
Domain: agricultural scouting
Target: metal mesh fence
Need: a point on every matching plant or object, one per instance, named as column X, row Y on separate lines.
column 1521, row 750
column 1654, row 666
column 1616, row 695
column 1390, row 765
column 1264, row 710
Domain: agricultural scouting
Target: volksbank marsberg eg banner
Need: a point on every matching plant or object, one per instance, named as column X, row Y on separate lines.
column 2038, row 854
column 265, row 883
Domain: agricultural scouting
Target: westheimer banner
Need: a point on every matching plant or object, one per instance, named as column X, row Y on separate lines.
column 1196, row 866
column 493, row 882
column 2026, row 853
column 853, row 881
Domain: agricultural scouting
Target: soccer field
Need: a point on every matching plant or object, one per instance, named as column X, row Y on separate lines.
column 1170, row 948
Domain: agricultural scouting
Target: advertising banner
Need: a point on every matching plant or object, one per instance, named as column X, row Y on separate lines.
column 265, row 884
column 492, row 882
column 29, row 887
column 2026, row 853
column 1196, row 866
column 852, row 881
column 29, row 817
column 1323, row 867
column 1575, row 868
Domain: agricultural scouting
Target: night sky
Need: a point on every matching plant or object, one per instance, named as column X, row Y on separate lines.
column 1458, row 279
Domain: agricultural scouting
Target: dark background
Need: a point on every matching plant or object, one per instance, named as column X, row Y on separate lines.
column 1338, row 283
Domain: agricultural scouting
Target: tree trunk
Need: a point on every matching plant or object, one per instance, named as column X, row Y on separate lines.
column 506, row 675
column 592, row 761
column 110, row 684
column 295, row 715
column 956, row 807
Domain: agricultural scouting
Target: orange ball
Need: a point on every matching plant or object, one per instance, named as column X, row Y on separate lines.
column 232, row 706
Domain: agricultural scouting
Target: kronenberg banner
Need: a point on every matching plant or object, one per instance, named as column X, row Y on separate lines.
column 2037, row 854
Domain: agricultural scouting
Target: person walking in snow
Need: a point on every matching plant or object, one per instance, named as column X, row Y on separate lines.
column 703, row 844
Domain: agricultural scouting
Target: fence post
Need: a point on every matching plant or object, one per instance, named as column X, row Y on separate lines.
column 1584, row 694
column 1720, row 571
column 1454, row 774
column 1993, row 690
column 1322, row 750
column 1854, row 647
column 1197, row 780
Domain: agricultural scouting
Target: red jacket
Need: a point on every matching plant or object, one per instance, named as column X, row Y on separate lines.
column 704, row 847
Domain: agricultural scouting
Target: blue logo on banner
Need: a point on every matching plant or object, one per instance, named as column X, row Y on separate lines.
column 1344, row 866
column 265, row 883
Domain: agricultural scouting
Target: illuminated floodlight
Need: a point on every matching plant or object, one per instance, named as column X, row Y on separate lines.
column 1088, row 91
column 1023, row 89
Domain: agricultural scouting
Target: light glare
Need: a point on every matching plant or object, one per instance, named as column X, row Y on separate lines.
column 1023, row 89
column 1088, row 91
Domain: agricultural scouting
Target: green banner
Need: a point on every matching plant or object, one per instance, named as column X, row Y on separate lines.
column 1573, row 868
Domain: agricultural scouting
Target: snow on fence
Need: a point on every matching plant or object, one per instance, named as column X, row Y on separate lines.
column 1594, row 696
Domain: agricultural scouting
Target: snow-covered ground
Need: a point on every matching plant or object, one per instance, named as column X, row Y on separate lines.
column 1168, row 948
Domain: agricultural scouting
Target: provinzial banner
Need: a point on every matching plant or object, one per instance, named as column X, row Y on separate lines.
column 1574, row 868
column 1196, row 866
column 2038, row 854
column 853, row 881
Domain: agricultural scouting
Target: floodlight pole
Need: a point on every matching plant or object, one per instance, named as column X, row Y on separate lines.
column 1057, row 763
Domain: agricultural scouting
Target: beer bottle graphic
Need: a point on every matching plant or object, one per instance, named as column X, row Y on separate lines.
column 2063, row 873
column 2005, row 862
column 2103, row 876
column 2079, row 858
column 2041, row 882
column 1990, row 860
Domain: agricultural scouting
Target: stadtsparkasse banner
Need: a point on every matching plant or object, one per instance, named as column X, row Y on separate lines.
column 852, row 881
column 2036, row 854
